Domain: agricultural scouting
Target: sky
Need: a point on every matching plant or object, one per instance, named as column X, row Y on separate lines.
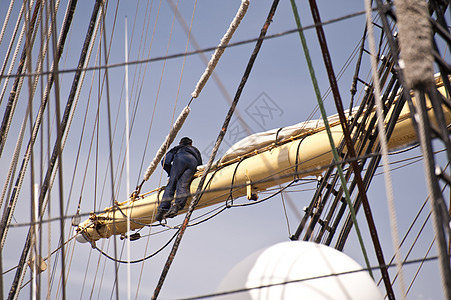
column 278, row 93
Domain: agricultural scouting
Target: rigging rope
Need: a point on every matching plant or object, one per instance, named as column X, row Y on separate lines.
column 16, row 52
column 17, row 85
column 222, row 132
column 221, row 48
column 178, row 55
column 168, row 141
column 8, row 210
column 329, row 134
column 8, row 14
column 56, row 150
column 156, row 99
column 184, row 114
column 384, row 148
column 416, row 44
column 264, row 180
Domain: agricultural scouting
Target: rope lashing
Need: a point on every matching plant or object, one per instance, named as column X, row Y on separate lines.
column 221, row 48
column 167, row 142
column 415, row 42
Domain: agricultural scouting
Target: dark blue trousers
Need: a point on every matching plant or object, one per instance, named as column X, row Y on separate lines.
column 182, row 172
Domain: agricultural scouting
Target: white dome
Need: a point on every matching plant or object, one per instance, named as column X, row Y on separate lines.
column 291, row 261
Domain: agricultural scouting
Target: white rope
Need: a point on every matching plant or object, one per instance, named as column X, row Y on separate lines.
column 168, row 141
column 221, row 48
column 16, row 51
column 8, row 14
column 72, row 112
column 384, row 148
column 64, row 138
column 15, row 158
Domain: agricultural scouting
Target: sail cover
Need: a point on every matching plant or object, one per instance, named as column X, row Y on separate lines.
column 262, row 139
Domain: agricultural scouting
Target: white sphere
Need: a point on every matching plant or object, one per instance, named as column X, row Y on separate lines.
column 300, row 262
column 80, row 238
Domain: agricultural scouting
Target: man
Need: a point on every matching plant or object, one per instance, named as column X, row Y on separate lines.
column 180, row 163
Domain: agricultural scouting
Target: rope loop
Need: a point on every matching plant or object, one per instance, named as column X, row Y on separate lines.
column 296, row 164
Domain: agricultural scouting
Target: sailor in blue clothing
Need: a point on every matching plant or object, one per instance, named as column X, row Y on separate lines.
column 180, row 163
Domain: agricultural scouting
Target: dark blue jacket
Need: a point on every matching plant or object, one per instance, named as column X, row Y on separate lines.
column 167, row 162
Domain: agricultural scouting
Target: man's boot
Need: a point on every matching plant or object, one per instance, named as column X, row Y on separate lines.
column 172, row 212
column 160, row 214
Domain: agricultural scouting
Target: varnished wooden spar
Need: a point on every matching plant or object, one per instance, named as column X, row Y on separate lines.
column 264, row 168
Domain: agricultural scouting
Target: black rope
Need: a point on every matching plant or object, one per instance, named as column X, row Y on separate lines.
column 231, row 184
column 266, row 198
column 296, row 176
column 138, row 260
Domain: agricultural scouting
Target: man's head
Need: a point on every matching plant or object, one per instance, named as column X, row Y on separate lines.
column 186, row 141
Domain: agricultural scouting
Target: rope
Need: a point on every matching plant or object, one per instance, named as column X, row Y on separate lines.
column 435, row 197
column 184, row 114
column 264, row 180
column 384, row 148
column 222, row 132
column 8, row 210
column 8, row 14
column 415, row 42
column 56, row 150
column 142, row 83
column 420, row 266
column 168, row 141
column 205, row 60
column 221, row 48
column 13, row 164
column 137, row 260
column 329, row 134
column 285, row 213
column 17, row 85
column 195, row 52
column 16, row 52
column 173, row 131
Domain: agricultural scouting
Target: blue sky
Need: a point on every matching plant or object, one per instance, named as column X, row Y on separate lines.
column 278, row 93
